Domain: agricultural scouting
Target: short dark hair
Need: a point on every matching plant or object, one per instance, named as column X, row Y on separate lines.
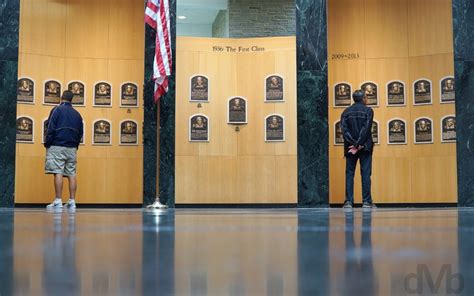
column 67, row 95
column 358, row 95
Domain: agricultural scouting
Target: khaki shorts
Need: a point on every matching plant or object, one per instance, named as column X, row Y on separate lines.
column 61, row 160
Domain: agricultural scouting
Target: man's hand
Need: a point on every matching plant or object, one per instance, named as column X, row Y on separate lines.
column 353, row 150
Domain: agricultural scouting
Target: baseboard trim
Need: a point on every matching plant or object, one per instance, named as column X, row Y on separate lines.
column 404, row 205
column 236, row 206
column 84, row 206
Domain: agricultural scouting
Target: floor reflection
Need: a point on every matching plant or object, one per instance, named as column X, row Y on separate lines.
column 358, row 260
column 236, row 252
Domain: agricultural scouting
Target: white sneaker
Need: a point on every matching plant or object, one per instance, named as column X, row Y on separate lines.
column 71, row 204
column 56, row 204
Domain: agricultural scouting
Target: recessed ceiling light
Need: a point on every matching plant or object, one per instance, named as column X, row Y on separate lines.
column 181, row 17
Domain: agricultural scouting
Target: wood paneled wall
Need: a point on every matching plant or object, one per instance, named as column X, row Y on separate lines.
column 395, row 40
column 236, row 167
column 89, row 41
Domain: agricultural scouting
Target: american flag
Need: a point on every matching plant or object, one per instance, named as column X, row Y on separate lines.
column 158, row 17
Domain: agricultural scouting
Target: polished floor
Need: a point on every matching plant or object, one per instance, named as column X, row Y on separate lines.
column 237, row 252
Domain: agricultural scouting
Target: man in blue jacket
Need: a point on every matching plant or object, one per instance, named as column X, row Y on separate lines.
column 64, row 133
column 356, row 122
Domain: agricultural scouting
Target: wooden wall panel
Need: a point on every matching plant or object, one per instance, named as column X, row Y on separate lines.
column 236, row 166
column 430, row 27
column 89, row 41
column 402, row 40
column 385, row 28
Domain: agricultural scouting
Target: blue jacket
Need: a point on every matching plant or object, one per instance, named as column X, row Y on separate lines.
column 356, row 122
column 64, row 127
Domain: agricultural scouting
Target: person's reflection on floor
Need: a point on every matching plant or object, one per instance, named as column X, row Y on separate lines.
column 60, row 275
column 359, row 268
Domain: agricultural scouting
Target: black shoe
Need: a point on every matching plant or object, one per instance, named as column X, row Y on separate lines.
column 367, row 205
column 347, row 205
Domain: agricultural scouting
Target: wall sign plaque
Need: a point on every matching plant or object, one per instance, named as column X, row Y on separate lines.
column 237, row 110
column 78, row 90
column 102, row 94
column 447, row 90
column 25, row 91
column 274, row 88
column 274, row 128
column 199, row 128
column 101, row 132
column 128, row 132
column 129, row 95
column 396, row 130
column 422, row 91
column 423, row 130
column 396, row 93
column 342, row 94
column 24, row 129
column 199, row 85
column 52, row 92
column 371, row 93
column 338, row 135
column 448, row 129
column 375, row 132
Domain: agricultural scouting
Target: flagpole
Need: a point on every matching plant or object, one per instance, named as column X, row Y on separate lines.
column 157, row 17
column 157, row 204
column 158, row 107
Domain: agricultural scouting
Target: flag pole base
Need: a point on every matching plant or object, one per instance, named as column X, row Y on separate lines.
column 157, row 205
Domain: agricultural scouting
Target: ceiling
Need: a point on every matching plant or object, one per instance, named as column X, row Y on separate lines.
column 202, row 12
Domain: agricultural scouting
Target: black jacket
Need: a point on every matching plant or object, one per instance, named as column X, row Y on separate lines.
column 356, row 123
column 64, row 127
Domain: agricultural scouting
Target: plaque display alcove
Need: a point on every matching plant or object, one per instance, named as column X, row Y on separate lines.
column 405, row 50
column 76, row 45
column 236, row 165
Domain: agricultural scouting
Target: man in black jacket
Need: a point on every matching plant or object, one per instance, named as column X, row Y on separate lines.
column 356, row 122
column 64, row 133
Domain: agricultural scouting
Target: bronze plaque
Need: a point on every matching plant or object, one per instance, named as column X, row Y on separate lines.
column 237, row 113
column 375, row 132
column 447, row 90
column 395, row 93
column 371, row 93
column 342, row 94
column 101, row 132
column 52, row 92
column 274, row 88
column 25, row 91
column 338, row 135
column 24, row 130
column 422, row 91
column 129, row 95
column 423, row 130
column 274, row 128
column 103, row 94
column 448, row 129
column 198, row 128
column 199, row 88
column 78, row 90
column 128, row 133
column 397, row 132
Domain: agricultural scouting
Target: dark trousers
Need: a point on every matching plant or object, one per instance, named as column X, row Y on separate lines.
column 365, row 171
